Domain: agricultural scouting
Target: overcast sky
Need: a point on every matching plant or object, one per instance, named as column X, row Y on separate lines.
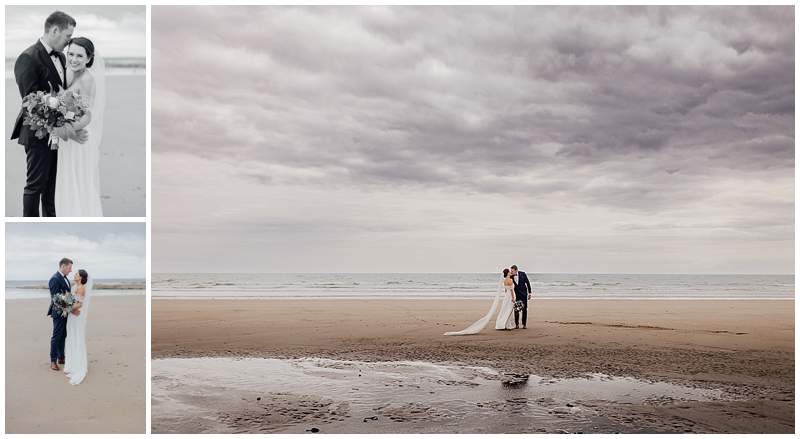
column 116, row 31
column 105, row 250
column 458, row 139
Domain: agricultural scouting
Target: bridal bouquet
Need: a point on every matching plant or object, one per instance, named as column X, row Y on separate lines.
column 63, row 303
column 44, row 112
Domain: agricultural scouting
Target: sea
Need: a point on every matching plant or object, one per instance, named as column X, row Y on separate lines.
column 469, row 286
column 115, row 66
column 37, row 289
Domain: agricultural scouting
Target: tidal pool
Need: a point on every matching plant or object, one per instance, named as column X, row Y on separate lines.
column 252, row 395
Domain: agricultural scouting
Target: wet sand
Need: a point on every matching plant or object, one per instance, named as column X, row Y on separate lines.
column 111, row 399
column 122, row 152
column 745, row 348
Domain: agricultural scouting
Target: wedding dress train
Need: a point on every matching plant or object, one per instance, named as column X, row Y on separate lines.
column 503, row 298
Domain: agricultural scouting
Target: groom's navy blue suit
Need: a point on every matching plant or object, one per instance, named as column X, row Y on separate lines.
column 58, row 284
column 522, row 287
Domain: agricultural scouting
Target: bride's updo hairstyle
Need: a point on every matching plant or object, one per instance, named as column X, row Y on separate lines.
column 87, row 45
column 505, row 273
column 84, row 276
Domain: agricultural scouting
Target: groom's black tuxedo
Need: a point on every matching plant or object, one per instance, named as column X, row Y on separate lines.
column 58, row 284
column 522, row 287
column 34, row 71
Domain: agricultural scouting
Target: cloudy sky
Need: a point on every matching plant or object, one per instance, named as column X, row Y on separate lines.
column 116, row 31
column 411, row 139
column 105, row 250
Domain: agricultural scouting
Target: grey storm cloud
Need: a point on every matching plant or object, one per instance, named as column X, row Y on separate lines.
column 646, row 110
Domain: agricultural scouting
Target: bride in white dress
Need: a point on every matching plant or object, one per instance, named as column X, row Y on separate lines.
column 78, row 166
column 76, row 363
column 505, row 318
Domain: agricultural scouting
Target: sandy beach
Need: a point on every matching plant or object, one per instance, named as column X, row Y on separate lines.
column 122, row 159
column 112, row 397
column 743, row 347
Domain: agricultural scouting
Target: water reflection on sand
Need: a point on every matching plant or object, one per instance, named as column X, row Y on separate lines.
column 226, row 395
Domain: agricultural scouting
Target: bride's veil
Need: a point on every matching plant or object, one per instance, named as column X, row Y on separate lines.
column 87, row 296
column 98, row 109
column 480, row 324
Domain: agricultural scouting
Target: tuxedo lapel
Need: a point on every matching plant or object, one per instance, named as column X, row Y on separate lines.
column 45, row 58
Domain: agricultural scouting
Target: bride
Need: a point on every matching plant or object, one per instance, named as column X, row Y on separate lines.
column 78, row 166
column 75, row 360
column 505, row 318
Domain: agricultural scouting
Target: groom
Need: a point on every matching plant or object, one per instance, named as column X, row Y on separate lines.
column 59, row 283
column 42, row 67
column 523, row 291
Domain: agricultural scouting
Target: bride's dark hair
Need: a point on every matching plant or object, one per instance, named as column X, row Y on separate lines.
column 84, row 276
column 505, row 273
column 87, row 45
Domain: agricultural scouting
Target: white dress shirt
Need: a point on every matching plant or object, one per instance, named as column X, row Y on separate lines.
column 56, row 62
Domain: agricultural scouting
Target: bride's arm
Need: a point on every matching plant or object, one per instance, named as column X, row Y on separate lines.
column 76, row 308
column 72, row 130
column 90, row 95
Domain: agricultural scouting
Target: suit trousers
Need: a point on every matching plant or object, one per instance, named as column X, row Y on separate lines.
column 58, row 338
column 524, row 314
column 40, row 182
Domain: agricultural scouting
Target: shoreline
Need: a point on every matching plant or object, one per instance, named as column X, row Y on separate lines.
column 366, row 329
column 743, row 347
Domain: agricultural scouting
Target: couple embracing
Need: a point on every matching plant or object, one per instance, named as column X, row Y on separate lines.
column 512, row 301
column 63, row 173
column 69, row 305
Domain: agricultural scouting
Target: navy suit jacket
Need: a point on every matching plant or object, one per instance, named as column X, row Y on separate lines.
column 57, row 285
column 522, row 287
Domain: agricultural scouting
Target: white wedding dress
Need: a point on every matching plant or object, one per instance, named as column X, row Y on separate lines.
column 502, row 300
column 78, row 167
column 505, row 318
column 76, row 363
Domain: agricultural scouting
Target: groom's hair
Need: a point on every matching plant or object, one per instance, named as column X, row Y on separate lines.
column 59, row 19
column 514, row 267
column 64, row 261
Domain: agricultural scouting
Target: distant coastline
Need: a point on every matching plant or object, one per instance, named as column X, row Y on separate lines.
column 36, row 289
column 115, row 66
column 470, row 286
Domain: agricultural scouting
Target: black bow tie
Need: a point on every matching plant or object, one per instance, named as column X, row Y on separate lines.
column 59, row 55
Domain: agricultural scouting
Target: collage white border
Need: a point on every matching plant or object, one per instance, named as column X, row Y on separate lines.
column 148, row 218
